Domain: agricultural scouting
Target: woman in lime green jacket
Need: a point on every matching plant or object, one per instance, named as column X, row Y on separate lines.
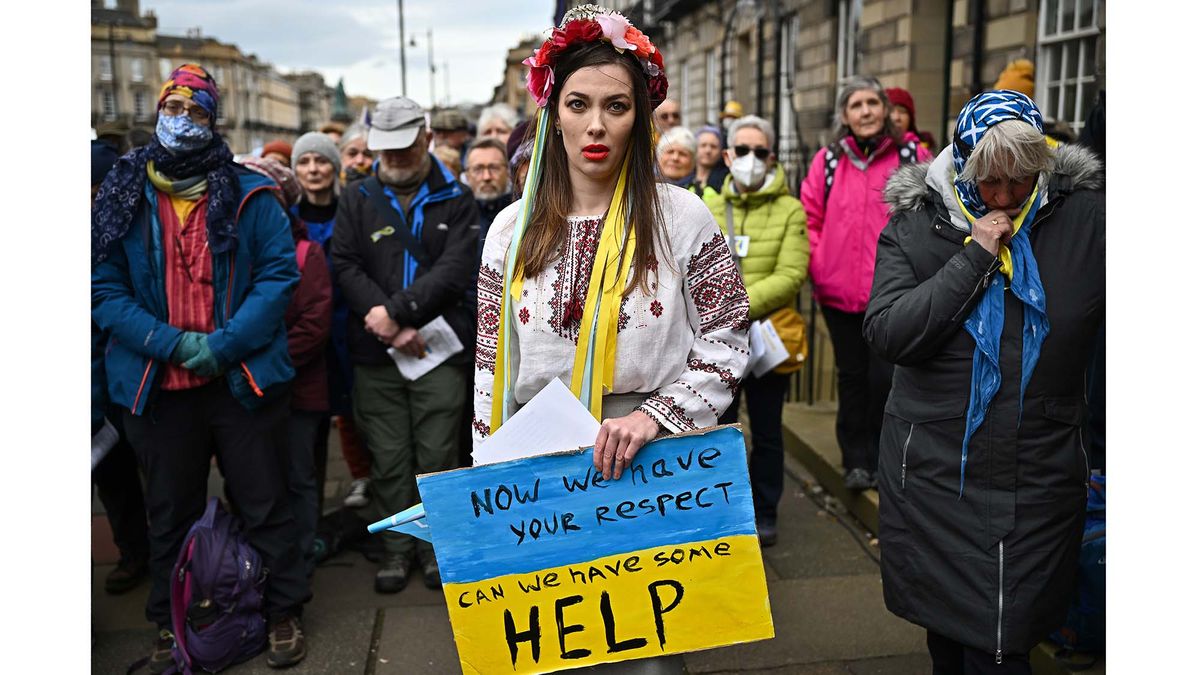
column 767, row 228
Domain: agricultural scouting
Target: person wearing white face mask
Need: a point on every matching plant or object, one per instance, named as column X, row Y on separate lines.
column 768, row 229
column 843, row 196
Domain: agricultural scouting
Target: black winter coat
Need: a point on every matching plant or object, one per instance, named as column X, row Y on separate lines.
column 994, row 569
column 370, row 271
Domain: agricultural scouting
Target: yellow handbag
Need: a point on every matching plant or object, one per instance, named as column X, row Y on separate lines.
column 789, row 325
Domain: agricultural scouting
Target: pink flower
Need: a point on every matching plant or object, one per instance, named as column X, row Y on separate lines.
column 540, row 81
column 614, row 27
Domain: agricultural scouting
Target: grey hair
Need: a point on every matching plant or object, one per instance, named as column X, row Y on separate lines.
column 352, row 132
column 501, row 111
column 754, row 122
column 855, row 85
column 1011, row 149
column 677, row 137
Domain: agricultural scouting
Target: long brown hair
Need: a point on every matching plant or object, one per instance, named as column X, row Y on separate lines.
column 546, row 230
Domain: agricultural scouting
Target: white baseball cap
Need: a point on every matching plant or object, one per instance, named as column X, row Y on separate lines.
column 395, row 124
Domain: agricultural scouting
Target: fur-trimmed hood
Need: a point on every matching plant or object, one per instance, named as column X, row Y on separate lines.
column 1075, row 168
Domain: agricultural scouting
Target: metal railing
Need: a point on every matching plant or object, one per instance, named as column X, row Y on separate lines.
column 816, row 381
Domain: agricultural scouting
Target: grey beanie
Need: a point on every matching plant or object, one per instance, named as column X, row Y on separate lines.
column 315, row 141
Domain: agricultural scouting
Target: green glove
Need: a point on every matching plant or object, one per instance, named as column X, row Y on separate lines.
column 204, row 363
column 188, row 347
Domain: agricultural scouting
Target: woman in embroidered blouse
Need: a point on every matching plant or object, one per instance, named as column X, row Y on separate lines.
column 668, row 344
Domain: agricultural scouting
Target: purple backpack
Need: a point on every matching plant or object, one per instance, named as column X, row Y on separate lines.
column 217, row 595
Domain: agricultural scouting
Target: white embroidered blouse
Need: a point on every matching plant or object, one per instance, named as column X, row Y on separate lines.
column 685, row 344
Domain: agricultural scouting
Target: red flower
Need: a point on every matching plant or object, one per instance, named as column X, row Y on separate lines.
column 658, row 89
column 540, row 81
column 580, row 30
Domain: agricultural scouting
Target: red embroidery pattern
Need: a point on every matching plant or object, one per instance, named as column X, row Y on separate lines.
column 572, row 274
column 716, row 288
column 622, row 317
column 523, row 315
column 664, row 408
column 491, row 289
column 726, row 375
column 656, row 308
column 482, row 428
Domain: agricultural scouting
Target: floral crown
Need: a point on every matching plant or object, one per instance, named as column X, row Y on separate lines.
column 591, row 23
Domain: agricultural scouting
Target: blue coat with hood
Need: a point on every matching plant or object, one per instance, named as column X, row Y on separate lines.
column 252, row 285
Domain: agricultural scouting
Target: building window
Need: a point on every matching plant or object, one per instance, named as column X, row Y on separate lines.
column 1068, row 36
column 137, row 70
column 108, row 105
column 848, row 55
column 685, row 99
column 712, row 104
column 140, row 109
column 110, row 4
column 787, row 74
column 164, row 69
column 106, row 68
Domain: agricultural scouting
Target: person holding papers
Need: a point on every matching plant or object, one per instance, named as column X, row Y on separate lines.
column 766, row 226
column 621, row 287
column 403, row 252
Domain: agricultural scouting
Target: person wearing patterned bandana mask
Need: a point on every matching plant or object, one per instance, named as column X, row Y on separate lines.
column 193, row 265
column 989, row 289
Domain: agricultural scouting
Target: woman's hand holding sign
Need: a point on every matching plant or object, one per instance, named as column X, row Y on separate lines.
column 619, row 440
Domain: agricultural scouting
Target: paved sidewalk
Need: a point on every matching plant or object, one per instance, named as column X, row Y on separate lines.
column 822, row 578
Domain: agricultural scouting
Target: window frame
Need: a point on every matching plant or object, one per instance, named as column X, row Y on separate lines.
column 848, row 48
column 108, row 105
column 712, row 98
column 137, row 69
column 1078, row 40
column 106, row 68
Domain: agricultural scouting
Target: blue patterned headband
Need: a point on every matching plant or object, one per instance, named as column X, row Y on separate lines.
column 981, row 113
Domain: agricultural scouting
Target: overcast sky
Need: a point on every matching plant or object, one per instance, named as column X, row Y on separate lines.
column 358, row 39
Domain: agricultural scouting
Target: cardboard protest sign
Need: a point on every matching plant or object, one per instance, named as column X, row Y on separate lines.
column 547, row 566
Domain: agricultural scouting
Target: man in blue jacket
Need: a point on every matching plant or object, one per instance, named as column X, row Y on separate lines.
column 193, row 266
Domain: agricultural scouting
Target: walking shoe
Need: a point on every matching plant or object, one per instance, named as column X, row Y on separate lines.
column 357, row 497
column 161, row 658
column 433, row 576
column 286, row 640
column 858, row 480
column 768, row 534
column 128, row 574
column 393, row 575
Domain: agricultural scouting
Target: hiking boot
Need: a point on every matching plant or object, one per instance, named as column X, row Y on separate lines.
column 768, row 534
column 431, row 573
column 357, row 497
column 286, row 640
column 858, row 480
column 128, row 574
column 393, row 574
column 161, row 658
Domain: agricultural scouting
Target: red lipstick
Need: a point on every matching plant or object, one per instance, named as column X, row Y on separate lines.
column 595, row 152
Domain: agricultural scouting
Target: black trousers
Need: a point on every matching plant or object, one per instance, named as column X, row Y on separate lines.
column 764, row 400
column 952, row 658
column 119, row 488
column 864, row 380
column 175, row 439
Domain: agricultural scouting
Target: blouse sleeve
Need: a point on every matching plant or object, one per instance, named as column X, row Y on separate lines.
column 490, row 291
column 719, row 311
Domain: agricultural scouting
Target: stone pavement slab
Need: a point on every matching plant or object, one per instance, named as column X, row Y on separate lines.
column 417, row 639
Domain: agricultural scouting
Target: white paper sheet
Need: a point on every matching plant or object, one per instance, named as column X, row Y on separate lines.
column 553, row 421
column 103, row 441
column 771, row 350
column 440, row 344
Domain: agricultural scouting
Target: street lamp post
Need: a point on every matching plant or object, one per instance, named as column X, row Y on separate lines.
column 403, row 65
column 432, row 71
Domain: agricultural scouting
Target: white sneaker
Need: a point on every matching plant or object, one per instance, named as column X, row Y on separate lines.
column 358, row 497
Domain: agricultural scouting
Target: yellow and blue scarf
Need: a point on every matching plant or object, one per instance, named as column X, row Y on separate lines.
column 1018, row 265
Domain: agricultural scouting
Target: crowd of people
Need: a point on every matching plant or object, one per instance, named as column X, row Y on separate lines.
column 245, row 307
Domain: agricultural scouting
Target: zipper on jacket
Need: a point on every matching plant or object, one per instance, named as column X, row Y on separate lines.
column 250, row 378
column 904, row 456
column 1000, row 612
column 1087, row 465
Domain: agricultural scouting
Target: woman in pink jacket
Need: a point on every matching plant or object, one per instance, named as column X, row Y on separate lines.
column 842, row 195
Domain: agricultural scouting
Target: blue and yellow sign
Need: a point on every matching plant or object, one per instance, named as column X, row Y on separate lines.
column 547, row 566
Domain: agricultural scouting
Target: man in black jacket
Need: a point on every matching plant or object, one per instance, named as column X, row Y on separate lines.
column 403, row 252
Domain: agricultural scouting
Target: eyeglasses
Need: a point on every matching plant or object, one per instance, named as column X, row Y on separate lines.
column 761, row 153
column 176, row 108
column 481, row 169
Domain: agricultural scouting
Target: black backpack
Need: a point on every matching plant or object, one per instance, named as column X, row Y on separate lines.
column 908, row 155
